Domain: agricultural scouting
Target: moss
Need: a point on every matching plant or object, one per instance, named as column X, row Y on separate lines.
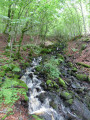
column 82, row 77
column 84, row 65
column 49, row 83
column 66, row 95
column 74, row 69
column 52, row 84
column 61, row 82
column 70, row 64
column 70, row 101
column 55, row 85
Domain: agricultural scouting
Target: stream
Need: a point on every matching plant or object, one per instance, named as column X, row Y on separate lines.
column 40, row 99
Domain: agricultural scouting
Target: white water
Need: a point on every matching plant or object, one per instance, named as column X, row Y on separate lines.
column 35, row 105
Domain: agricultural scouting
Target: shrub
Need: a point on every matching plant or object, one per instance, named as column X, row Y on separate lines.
column 51, row 68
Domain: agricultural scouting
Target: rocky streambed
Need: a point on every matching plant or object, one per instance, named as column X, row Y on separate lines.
column 64, row 98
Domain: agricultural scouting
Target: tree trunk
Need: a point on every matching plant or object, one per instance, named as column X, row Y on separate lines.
column 84, row 25
column 20, row 42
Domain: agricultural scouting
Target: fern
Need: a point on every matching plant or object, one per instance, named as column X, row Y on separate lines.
column 8, row 92
column 51, row 68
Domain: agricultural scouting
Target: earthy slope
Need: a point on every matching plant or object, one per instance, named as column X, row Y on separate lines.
column 79, row 52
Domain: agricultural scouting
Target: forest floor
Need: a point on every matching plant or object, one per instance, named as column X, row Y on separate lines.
column 77, row 50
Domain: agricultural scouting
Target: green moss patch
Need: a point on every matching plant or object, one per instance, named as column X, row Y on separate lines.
column 70, row 101
column 84, row 65
column 74, row 69
column 61, row 82
column 66, row 95
column 82, row 77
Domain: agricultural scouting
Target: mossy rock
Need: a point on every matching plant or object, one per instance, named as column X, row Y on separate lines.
column 70, row 64
column 74, row 69
column 55, row 85
column 70, row 101
column 53, row 105
column 87, row 100
column 84, row 65
column 82, row 77
column 49, row 83
column 66, row 95
column 61, row 82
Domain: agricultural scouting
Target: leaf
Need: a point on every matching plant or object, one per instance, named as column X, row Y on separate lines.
column 16, row 69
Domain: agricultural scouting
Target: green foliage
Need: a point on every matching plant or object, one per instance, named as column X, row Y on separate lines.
column 11, row 67
column 16, row 69
column 45, row 50
column 9, row 93
column 83, row 47
column 2, row 73
column 51, row 68
column 37, row 118
column 35, row 49
column 10, row 85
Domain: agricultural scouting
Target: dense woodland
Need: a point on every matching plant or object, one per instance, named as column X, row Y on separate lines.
column 33, row 28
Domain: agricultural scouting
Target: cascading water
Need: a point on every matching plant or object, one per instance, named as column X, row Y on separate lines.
column 39, row 99
column 35, row 105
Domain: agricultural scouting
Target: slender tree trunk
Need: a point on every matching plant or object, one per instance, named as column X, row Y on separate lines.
column 26, row 28
column 84, row 25
column 9, row 14
column 72, row 18
column 78, row 20
column 20, row 42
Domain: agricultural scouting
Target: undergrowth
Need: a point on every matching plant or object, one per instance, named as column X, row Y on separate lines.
column 9, row 84
column 50, row 67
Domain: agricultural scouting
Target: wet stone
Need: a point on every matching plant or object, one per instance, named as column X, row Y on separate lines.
column 81, row 110
column 31, row 75
column 42, row 97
